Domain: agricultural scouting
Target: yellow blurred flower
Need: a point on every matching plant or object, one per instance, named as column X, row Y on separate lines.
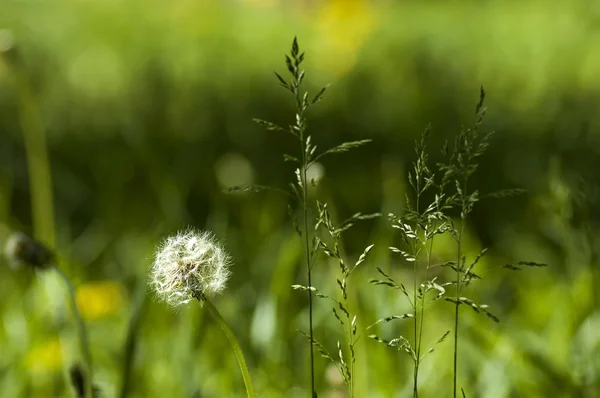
column 45, row 356
column 260, row 3
column 99, row 299
column 343, row 26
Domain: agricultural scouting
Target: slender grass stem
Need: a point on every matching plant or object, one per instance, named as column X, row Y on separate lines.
column 301, row 108
column 415, row 304
column 351, row 349
column 309, row 273
column 422, row 317
column 131, row 339
column 415, row 308
column 455, row 366
column 458, row 283
column 237, row 349
column 81, row 331
column 40, row 180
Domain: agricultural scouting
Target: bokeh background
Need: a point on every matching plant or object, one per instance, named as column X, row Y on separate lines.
column 143, row 109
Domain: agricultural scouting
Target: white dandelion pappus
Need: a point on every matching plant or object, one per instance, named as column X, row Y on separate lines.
column 189, row 265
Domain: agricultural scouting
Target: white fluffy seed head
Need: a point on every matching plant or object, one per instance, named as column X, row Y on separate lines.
column 191, row 264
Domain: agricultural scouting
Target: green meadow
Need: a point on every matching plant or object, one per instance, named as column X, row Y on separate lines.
column 442, row 193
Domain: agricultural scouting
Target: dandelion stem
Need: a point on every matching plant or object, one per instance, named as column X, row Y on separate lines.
column 81, row 330
column 237, row 349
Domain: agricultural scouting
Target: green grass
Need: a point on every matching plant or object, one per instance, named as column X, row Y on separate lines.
column 120, row 136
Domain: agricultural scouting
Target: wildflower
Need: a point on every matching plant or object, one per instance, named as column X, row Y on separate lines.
column 189, row 265
column 99, row 299
column 192, row 265
column 45, row 356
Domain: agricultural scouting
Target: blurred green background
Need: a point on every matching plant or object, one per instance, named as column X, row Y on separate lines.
column 145, row 109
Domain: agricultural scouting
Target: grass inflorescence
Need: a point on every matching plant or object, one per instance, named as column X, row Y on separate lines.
column 306, row 157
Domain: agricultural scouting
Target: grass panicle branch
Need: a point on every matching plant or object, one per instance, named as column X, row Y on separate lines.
column 331, row 246
column 459, row 165
column 418, row 228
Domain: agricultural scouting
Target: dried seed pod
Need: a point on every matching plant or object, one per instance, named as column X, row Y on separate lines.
column 22, row 249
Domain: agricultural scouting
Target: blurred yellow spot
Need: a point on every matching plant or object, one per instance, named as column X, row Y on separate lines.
column 46, row 356
column 99, row 299
column 260, row 3
column 343, row 27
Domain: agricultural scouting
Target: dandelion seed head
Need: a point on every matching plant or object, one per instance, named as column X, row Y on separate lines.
column 189, row 265
column 21, row 249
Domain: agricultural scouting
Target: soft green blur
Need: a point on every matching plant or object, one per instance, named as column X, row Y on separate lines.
column 146, row 110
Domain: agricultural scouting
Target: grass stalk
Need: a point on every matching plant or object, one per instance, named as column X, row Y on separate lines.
column 306, row 242
column 34, row 138
column 81, row 331
column 415, row 307
column 131, row 339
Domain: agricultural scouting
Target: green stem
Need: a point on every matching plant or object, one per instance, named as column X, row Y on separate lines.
column 309, row 276
column 40, row 180
column 456, row 325
column 416, row 367
column 131, row 340
column 415, row 306
column 81, row 330
column 422, row 316
column 458, row 284
column 300, row 117
column 350, row 348
column 237, row 349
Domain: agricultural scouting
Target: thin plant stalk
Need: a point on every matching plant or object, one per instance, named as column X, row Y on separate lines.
column 417, row 331
column 131, row 339
column 415, row 308
column 81, row 331
column 34, row 139
column 308, row 269
column 456, row 312
column 307, row 246
column 301, row 107
column 351, row 364
column 422, row 316
column 417, row 318
column 458, row 281
column 237, row 349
